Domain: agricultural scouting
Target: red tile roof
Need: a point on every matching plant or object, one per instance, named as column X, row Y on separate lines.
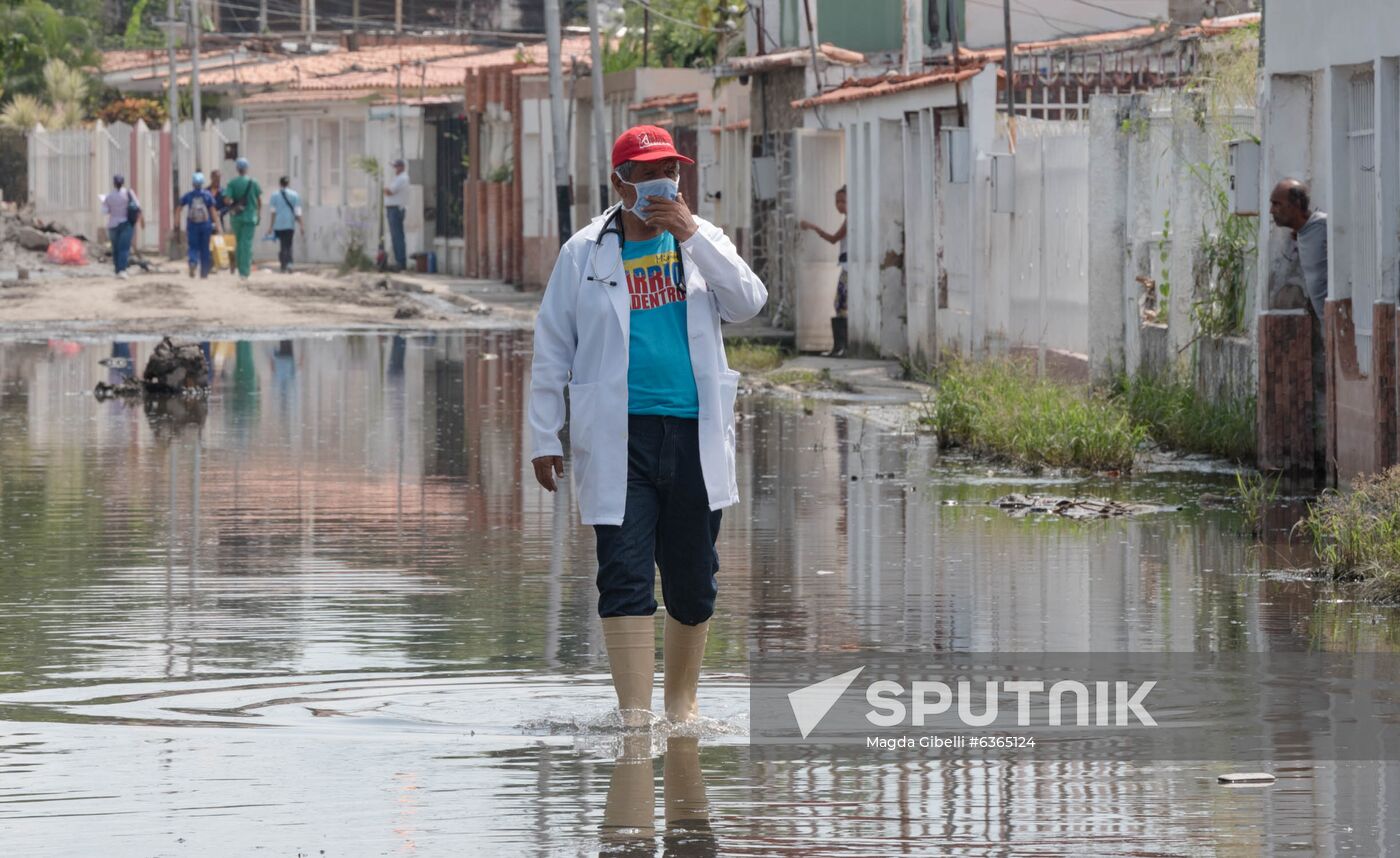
column 664, row 102
column 444, row 67
column 857, row 89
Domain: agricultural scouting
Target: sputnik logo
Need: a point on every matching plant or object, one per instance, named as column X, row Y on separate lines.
column 810, row 704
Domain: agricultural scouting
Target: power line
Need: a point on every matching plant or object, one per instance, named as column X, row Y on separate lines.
column 1093, row 5
column 645, row 4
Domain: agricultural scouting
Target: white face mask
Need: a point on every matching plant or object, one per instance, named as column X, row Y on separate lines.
column 662, row 187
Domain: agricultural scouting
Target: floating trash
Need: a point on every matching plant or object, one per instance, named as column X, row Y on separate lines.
column 1020, row 506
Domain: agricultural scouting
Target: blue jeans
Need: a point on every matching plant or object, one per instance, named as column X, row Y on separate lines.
column 667, row 523
column 396, row 235
column 121, row 245
column 198, row 235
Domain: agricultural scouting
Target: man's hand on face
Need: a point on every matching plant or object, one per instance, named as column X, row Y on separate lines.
column 671, row 215
column 546, row 469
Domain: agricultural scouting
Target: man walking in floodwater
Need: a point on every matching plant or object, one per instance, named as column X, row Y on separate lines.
column 630, row 323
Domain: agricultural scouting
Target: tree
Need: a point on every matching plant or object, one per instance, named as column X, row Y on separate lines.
column 683, row 33
column 34, row 33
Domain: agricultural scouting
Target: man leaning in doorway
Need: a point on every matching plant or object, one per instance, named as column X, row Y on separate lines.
column 1290, row 205
column 630, row 323
column 395, row 204
column 244, row 197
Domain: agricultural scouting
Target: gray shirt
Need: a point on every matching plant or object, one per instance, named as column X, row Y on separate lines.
column 1312, row 255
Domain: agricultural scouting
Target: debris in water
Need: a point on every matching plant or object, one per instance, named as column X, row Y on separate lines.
column 1020, row 506
column 172, row 368
column 1237, row 778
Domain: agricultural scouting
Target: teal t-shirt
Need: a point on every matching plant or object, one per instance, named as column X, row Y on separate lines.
column 659, row 377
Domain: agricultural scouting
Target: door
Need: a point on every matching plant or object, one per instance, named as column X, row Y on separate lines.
column 819, row 159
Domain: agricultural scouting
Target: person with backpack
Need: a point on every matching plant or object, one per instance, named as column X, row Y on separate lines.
column 244, row 198
column 124, row 214
column 201, row 222
column 286, row 217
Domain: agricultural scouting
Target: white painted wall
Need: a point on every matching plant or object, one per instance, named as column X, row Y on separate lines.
column 1299, row 37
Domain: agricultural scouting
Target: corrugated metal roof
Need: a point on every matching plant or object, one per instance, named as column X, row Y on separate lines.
column 793, row 58
column 857, row 89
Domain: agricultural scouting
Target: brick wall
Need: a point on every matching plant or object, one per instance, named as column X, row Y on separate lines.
column 1383, row 381
column 1285, row 393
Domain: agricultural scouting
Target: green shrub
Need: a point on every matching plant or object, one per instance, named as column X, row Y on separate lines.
column 1356, row 534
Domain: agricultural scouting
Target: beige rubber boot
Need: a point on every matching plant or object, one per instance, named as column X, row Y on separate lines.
column 631, row 644
column 630, row 812
column 685, row 647
column 683, row 784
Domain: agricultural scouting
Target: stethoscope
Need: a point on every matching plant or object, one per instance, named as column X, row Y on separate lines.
column 613, row 225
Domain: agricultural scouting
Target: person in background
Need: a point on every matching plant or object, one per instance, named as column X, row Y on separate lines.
column 838, row 322
column 1291, row 207
column 244, row 198
column 124, row 214
column 201, row 222
column 216, row 188
column 395, row 204
column 286, row 217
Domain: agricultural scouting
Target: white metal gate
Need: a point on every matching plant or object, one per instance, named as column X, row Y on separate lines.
column 1360, row 221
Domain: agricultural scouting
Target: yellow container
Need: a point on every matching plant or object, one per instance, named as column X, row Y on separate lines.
column 223, row 245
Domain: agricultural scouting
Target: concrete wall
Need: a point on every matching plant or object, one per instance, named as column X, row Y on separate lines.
column 1150, row 204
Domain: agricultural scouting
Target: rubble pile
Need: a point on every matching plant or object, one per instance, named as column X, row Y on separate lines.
column 173, row 368
column 24, row 239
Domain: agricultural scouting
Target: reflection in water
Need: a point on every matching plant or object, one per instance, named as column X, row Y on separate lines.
column 343, row 576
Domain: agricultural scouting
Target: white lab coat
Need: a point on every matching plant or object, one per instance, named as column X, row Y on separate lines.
column 581, row 339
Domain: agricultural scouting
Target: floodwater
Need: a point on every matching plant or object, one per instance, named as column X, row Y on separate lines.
column 328, row 612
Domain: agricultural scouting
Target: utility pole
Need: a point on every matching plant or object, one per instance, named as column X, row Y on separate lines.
column 398, row 103
column 398, row 15
column 646, row 34
column 1010, row 78
column 173, row 105
column 556, row 118
column 913, row 37
column 312, row 4
column 262, row 17
column 196, row 24
column 355, row 25
column 601, row 133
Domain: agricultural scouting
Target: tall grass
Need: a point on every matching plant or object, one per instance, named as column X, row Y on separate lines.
column 1356, row 534
column 998, row 408
column 753, row 356
column 1179, row 418
column 1255, row 494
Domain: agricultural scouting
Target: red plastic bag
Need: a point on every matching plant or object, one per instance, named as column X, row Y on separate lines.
column 68, row 250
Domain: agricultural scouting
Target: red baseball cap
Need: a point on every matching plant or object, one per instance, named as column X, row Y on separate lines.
column 645, row 143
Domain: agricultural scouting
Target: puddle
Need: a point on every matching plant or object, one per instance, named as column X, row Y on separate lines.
column 330, row 610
